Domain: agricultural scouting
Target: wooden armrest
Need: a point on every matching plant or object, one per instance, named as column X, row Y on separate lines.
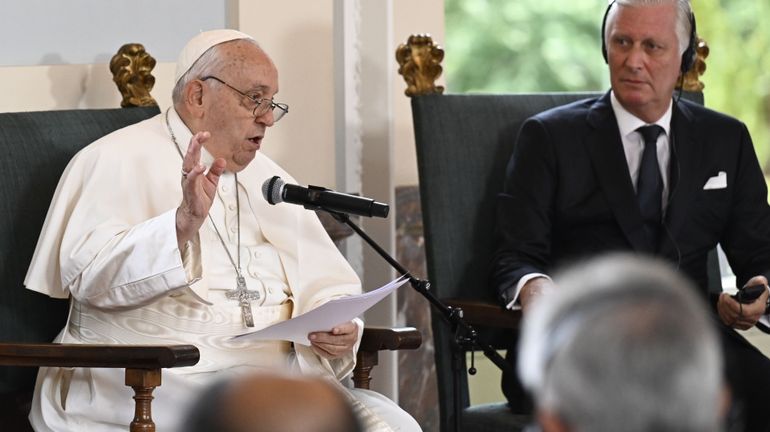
column 483, row 313
column 142, row 363
column 378, row 339
column 106, row 356
column 375, row 339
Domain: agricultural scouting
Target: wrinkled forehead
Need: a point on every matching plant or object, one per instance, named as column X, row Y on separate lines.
column 244, row 61
column 657, row 21
column 635, row 11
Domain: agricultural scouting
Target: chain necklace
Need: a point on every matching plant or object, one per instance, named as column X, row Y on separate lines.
column 241, row 292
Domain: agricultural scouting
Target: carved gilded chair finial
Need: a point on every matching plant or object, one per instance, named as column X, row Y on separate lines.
column 691, row 80
column 419, row 63
column 131, row 70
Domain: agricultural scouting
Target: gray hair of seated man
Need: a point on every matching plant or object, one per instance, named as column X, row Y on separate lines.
column 624, row 344
column 264, row 402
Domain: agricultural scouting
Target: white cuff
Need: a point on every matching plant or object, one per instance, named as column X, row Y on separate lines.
column 514, row 304
column 765, row 318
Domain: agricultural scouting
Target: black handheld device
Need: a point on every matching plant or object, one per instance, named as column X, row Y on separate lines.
column 748, row 294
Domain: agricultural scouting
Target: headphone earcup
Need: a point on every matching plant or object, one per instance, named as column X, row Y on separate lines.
column 688, row 57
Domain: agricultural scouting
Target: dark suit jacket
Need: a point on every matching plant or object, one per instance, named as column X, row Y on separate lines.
column 568, row 195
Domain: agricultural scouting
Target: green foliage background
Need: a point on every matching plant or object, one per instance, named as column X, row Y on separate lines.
column 554, row 45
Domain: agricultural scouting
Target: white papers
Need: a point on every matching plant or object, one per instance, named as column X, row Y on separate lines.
column 324, row 317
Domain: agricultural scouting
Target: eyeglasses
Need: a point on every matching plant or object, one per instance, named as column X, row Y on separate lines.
column 261, row 106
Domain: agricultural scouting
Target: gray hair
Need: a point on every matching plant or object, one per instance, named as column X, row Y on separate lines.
column 624, row 343
column 683, row 23
column 209, row 63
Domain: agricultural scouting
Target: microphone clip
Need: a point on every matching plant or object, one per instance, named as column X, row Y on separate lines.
column 314, row 197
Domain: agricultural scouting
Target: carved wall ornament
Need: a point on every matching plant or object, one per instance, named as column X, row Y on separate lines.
column 420, row 64
column 131, row 70
column 691, row 80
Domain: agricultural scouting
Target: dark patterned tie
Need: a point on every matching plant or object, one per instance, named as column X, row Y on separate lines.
column 649, row 185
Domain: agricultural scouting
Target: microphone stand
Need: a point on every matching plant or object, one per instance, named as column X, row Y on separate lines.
column 465, row 334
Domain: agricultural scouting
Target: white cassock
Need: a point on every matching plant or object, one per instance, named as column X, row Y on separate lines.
column 109, row 242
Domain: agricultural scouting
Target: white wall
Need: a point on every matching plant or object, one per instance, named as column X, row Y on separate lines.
column 39, row 88
column 298, row 34
column 34, row 32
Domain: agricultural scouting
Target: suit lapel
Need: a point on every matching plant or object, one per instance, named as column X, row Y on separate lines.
column 609, row 161
column 685, row 159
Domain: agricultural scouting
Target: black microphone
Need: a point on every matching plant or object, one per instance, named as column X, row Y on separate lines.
column 275, row 191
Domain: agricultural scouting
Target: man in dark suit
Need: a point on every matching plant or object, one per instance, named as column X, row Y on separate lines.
column 580, row 183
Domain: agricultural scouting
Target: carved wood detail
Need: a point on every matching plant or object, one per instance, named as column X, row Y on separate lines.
column 419, row 63
column 131, row 70
column 691, row 82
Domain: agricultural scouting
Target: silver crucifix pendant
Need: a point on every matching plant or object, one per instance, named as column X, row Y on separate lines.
column 244, row 297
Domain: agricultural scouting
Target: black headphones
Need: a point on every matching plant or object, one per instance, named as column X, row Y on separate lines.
column 688, row 56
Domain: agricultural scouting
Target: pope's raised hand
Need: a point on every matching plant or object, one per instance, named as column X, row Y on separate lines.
column 198, row 190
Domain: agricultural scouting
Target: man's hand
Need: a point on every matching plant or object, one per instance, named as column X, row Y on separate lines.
column 198, row 190
column 742, row 316
column 335, row 343
column 533, row 289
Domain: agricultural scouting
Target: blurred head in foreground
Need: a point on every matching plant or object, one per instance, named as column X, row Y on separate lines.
column 272, row 403
column 623, row 343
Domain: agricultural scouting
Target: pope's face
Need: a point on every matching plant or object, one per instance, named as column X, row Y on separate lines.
column 644, row 59
column 236, row 135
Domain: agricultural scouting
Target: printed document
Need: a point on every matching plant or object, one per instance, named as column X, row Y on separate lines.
column 324, row 317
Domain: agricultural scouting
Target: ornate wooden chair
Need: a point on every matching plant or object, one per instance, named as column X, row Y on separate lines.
column 37, row 146
column 463, row 144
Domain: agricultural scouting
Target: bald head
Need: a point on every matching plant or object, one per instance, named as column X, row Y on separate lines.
column 271, row 403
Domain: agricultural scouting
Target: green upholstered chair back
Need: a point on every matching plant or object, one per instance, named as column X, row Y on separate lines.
column 35, row 148
column 464, row 142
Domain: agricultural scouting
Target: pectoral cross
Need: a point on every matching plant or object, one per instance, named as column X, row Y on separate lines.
column 244, row 297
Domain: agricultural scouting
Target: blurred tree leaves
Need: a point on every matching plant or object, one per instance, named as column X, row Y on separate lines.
column 524, row 45
column 737, row 77
column 554, row 45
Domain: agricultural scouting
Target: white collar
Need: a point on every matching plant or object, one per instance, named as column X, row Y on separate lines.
column 628, row 122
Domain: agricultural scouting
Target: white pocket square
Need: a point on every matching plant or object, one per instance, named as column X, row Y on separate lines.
column 719, row 181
